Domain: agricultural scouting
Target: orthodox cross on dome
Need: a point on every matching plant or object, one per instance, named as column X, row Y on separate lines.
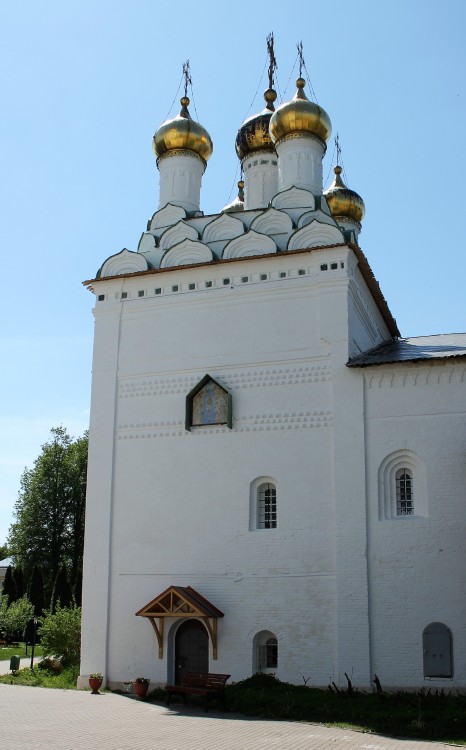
column 270, row 95
column 187, row 77
column 272, row 59
column 301, row 58
column 338, row 148
column 302, row 68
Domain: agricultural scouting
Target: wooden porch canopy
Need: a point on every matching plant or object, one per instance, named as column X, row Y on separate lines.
column 181, row 601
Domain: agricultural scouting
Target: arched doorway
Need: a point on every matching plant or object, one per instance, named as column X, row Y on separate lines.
column 437, row 646
column 191, row 649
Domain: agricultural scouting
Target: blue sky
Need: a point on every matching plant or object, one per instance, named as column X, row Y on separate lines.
column 85, row 84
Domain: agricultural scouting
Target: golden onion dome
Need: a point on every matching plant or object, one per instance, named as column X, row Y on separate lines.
column 342, row 201
column 253, row 134
column 300, row 116
column 182, row 133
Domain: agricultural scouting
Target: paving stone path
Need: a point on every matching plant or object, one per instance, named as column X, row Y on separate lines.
column 44, row 719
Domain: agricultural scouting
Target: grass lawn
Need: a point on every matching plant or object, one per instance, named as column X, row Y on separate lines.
column 66, row 680
column 6, row 652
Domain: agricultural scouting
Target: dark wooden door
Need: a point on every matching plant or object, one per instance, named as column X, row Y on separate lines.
column 191, row 649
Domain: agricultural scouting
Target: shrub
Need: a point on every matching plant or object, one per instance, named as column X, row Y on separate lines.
column 60, row 634
column 51, row 664
column 13, row 618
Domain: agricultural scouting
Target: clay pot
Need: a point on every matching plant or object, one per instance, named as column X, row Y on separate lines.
column 95, row 683
column 140, row 689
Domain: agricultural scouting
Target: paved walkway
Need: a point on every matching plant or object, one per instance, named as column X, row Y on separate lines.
column 25, row 661
column 43, row 719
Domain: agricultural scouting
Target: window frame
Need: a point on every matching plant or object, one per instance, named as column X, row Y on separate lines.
column 265, row 648
column 390, row 470
column 266, row 506
column 255, row 515
column 404, row 492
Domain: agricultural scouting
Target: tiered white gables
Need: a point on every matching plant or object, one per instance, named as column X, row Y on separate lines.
column 276, row 479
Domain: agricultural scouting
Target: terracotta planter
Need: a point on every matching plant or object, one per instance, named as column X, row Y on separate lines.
column 95, row 683
column 140, row 689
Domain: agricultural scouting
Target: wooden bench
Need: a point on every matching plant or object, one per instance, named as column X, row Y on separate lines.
column 212, row 686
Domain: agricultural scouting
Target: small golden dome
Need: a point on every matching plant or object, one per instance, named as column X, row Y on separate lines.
column 253, row 134
column 238, row 203
column 300, row 116
column 342, row 201
column 183, row 134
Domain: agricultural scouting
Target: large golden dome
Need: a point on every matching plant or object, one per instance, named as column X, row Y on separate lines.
column 300, row 116
column 253, row 134
column 342, row 201
column 183, row 134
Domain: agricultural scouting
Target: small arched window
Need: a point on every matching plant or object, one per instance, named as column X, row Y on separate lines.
column 267, row 506
column 437, row 647
column 404, row 492
column 402, row 486
column 265, row 651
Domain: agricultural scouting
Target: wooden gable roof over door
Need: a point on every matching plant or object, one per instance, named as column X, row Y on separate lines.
column 181, row 601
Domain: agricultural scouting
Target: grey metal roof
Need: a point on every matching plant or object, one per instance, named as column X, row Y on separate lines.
column 418, row 349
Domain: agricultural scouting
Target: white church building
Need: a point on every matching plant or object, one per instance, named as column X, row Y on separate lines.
column 277, row 479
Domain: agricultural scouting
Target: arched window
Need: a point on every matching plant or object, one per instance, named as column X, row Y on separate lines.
column 404, row 492
column 402, row 486
column 263, row 504
column 267, row 506
column 437, row 647
column 265, row 647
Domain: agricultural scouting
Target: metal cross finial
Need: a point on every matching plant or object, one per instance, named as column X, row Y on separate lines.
column 338, row 148
column 272, row 59
column 301, row 58
column 187, row 77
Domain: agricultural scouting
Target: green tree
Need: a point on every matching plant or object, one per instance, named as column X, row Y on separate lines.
column 49, row 514
column 9, row 586
column 4, row 552
column 36, row 591
column 14, row 618
column 60, row 633
column 62, row 594
column 19, row 582
column 78, row 585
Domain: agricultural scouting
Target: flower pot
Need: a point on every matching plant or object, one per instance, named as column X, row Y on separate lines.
column 140, row 689
column 95, row 683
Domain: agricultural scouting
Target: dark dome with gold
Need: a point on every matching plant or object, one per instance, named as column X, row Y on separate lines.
column 253, row 134
column 300, row 116
column 342, row 201
column 183, row 134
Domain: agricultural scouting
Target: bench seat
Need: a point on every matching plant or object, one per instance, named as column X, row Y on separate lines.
column 208, row 684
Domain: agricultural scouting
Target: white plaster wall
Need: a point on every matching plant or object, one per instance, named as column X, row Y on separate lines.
column 188, row 502
column 95, row 595
column 180, row 180
column 260, row 179
column 343, row 591
column 300, row 163
column 365, row 323
column 180, row 501
column 417, row 564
